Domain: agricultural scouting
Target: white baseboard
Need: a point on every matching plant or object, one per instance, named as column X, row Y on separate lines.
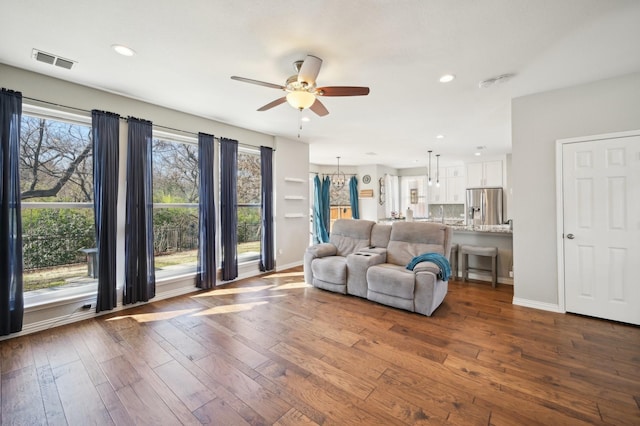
column 288, row 266
column 487, row 278
column 537, row 305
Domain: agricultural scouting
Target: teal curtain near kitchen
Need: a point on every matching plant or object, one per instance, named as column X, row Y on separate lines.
column 320, row 234
column 353, row 197
column 11, row 299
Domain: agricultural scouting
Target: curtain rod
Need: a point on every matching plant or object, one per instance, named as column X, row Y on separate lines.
column 217, row 138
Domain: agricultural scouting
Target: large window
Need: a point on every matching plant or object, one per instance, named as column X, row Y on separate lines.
column 249, row 205
column 175, row 205
column 56, row 183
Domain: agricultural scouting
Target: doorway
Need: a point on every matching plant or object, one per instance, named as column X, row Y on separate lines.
column 599, row 226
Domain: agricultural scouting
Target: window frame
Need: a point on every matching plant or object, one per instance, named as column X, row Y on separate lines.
column 188, row 140
column 244, row 259
column 35, row 299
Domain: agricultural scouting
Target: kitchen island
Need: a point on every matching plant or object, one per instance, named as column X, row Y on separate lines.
column 499, row 236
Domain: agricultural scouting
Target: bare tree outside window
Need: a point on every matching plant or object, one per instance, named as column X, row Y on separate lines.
column 249, row 187
column 56, row 184
column 175, row 214
column 56, row 161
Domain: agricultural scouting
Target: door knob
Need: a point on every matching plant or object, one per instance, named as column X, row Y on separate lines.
column 570, row 236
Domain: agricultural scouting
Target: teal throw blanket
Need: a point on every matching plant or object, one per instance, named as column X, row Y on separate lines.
column 440, row 261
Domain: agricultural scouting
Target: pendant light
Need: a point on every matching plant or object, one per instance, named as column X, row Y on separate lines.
column 338, row 178
column 438, row 170
column 429, row 169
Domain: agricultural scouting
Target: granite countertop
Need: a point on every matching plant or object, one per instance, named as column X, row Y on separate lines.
column 494, row 229
column 459, row 226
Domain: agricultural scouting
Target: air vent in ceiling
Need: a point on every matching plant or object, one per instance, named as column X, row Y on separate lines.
column 52, row 59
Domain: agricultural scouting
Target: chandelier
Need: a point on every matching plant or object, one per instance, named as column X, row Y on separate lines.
column 338, row 178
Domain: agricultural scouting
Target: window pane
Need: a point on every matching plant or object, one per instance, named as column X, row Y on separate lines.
column 58, row 247
column 56, row 161
column 56, row 166
column 175, row 240
column 175, row 172
column 249, row 205
column 175, row 229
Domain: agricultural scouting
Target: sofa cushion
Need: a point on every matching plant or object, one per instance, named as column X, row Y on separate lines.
column 331, row 269
column 349, row 236
column 380, row 235
column 410, row 239
column 392, row 280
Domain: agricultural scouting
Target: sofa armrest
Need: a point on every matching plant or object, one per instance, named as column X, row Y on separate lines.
column 322, row 250
column 375, row 250
column 314, row 252
column 357, row 265
column 427, row 267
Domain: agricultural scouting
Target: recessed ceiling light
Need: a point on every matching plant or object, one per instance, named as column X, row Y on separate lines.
column 478, row 154
column 371, row 153
column 123, row 50
column 305, row 119
column 439, row 136
column 447, row 78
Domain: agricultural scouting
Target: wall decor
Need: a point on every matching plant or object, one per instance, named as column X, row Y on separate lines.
column 366, row 179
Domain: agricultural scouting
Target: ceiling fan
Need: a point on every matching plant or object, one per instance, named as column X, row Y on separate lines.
column 302, row 90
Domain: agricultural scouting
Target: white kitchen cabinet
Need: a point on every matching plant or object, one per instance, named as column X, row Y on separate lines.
column 436, row 193
column 455, row 185
column 488, row 173
column 455, row 190
column 451, row 189
column 454, row 171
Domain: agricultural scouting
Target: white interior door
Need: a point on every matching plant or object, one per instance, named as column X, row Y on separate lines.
column 601, row 229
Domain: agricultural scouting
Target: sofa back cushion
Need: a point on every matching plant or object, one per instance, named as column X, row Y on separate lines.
column 351, row 235
column 410, row 239
column 380, row 235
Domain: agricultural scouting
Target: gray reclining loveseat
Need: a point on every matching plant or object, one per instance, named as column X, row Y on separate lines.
column 370, row 260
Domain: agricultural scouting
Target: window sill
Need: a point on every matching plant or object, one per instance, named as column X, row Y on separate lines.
column 56, row 296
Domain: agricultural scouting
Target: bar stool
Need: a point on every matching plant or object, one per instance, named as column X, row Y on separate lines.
column 492, row 252
column 453, row 261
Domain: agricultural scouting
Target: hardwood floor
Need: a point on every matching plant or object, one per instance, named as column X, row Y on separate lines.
column 272, row 350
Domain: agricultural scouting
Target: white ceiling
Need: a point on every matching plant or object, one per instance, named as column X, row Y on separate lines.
column 186, row 52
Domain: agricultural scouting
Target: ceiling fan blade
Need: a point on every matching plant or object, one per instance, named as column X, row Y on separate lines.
column 342, row 91
column 309, row 70
column 258, row 82
column 319, row 108
column 273, row 104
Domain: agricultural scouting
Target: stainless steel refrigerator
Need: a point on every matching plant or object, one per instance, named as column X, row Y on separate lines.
column 484, row 206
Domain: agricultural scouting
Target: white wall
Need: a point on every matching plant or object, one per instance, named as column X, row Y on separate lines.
column 539, row 120
column 292, row 233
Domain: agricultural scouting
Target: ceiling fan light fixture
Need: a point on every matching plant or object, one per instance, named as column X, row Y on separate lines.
column 300, row 99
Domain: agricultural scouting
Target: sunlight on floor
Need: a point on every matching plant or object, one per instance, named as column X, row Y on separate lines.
column 229, row 309
column 285, row 275
column 156, row 316
column 291, row 286
column 227, row 291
